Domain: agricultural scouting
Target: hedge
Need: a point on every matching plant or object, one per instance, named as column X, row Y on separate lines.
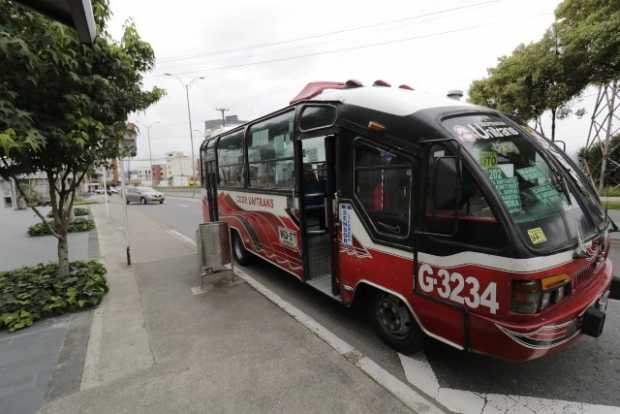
column 77, row 211
column 28, row 294
column 81, row 211
column 77, row 225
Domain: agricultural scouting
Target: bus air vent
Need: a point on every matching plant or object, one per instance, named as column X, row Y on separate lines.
column 380, row 82
column 352, row 83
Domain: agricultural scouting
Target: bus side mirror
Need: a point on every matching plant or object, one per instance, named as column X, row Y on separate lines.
column 446, row 195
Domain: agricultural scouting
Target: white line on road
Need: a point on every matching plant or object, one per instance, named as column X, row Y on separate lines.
column 183, row 205
column 182, row 237
column 420, row 374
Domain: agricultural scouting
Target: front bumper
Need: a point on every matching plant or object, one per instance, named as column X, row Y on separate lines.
column 154, row 198
column 522, row 341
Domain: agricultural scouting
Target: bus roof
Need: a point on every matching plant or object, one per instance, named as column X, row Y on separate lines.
column 395, row 101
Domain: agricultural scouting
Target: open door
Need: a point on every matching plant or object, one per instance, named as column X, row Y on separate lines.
column 317, row 186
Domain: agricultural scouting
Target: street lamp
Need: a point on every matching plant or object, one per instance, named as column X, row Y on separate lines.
column 189, row 113
column 148, row 137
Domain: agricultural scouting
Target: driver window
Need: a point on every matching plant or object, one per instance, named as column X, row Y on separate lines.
column 383, row 182
column 476, row 224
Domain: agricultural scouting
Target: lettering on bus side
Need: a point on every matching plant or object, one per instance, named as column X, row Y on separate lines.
column 453, row 286
column 251, row 200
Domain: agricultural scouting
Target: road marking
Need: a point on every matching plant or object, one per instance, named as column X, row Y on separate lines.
column 407, row 395
column 420, row 374
column 181, row 236
column 183, row 205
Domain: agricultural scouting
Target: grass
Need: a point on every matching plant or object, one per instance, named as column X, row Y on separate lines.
column 611, row 205
column 84, row 202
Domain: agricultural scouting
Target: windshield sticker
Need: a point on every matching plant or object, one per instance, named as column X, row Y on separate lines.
column 508, row 188
column 547, row 194
column 537, row 235
column 494, row 129
column 464, row 133
column 505, row 147
column 488, row 159
column 531, row 174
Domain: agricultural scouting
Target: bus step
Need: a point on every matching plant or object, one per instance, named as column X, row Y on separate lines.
column 323, row 283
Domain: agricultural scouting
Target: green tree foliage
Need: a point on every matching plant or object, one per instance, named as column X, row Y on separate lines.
column 589, row 32
column 533, row 79
column 593, row 157
column 63, row 104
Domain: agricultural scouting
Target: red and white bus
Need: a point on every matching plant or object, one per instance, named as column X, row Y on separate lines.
column 457, row 222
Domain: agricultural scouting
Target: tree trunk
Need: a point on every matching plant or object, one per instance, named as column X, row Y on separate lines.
column 553, row 111
column 63, row 254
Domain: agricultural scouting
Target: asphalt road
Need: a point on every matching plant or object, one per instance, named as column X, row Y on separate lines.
column 588, row 371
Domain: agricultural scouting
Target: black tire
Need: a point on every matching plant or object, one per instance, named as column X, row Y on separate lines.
column 241, row 255
column 143, row 200
column 161, row 202
column 127, row 202
column 395, row 324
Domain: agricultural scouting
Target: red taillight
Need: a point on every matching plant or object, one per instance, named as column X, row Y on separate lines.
column 526, row 296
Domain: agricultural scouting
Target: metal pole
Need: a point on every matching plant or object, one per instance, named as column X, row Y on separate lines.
column 105, row 193
column 191, row 135
column 148, row 130
column 125, row 216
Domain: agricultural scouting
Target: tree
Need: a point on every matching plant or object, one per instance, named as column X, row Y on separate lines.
column 532, row 80
column 588, row 30
column 63, row 104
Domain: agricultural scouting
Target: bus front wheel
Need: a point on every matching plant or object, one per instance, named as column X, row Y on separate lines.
column 242, row 256
column 395, row 324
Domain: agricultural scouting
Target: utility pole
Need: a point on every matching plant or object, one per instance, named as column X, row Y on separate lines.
column 604, row 126
column 189, row 113
column 223, row 111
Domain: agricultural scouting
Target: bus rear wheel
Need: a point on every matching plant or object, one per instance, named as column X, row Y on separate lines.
column 242, row 256
column 395, row 324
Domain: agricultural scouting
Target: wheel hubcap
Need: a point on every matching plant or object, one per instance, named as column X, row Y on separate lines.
column 394, row 317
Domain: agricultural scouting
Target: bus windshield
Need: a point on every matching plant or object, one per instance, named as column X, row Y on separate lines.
column 536, row 192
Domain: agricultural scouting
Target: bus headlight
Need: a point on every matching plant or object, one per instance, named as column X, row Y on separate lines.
column 533, row 296
column 526, row 296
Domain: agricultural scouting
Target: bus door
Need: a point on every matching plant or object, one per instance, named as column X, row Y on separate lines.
column 210, row 181
column 316, row 198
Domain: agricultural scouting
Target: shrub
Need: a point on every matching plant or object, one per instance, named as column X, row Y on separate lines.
column 77, row 225
column 81, row 211
column 78, row 211
column 28, row 294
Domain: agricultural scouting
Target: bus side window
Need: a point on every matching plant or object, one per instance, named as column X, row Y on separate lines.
column 383, row 183
column 230, row 159
column 477, row 223
column 270, row 153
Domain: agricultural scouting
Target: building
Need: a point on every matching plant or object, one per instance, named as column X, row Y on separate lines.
column 160, row 176
column 179, row 169
column 141, row 176
column 217, row 126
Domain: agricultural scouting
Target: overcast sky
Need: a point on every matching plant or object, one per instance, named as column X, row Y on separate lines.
column 243, row 49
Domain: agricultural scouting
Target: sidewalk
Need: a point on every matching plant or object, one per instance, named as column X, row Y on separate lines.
column 155, row 347
column 53, row 348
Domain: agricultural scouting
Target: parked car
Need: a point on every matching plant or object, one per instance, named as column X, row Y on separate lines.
column 113, row 190
column 102, row 191
column 144, row 195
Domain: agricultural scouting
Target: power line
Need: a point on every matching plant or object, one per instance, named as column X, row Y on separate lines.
column 326, row 34
column 344, row 49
